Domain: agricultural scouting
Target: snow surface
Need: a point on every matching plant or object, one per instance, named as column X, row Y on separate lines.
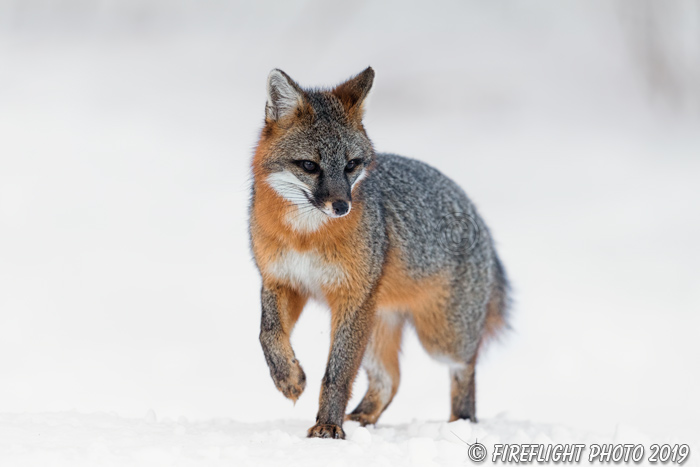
column 74, row 439
column 126, row 285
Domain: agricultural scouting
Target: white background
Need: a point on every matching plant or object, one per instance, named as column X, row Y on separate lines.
column 126, row 132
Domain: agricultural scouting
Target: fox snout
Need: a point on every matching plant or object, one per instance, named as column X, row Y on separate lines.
column 340, row 208
column 337, row 208
column 334, row 196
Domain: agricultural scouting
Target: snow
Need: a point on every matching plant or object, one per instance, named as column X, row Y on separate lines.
column 126, row 130
column 75, row 439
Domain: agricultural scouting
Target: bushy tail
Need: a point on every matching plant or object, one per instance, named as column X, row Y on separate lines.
column 498, row 305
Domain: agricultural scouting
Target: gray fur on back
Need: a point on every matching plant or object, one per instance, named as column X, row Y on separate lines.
column 414, row 204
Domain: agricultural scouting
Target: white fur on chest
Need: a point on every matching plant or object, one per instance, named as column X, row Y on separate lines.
column 307, row 271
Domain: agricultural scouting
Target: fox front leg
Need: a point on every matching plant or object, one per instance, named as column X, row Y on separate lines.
column 281, row 308
column 351, row 329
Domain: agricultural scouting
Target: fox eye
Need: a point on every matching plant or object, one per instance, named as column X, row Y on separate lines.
column 352, row 164
column 308, row 166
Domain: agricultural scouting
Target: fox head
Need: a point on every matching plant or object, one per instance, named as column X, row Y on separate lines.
column 313, row 150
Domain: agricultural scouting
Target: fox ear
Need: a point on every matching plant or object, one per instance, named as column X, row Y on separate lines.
column 284, row 96
column 352, row 93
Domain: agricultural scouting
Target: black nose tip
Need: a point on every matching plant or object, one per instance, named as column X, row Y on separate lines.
column 340, row 208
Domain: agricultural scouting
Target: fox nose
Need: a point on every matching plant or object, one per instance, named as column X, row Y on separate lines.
column 340, row 208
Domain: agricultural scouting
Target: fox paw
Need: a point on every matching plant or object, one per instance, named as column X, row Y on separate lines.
column 363, row 418
column 321, row 430
column 293, row 384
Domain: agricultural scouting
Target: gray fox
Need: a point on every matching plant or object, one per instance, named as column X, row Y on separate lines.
column 365, row 233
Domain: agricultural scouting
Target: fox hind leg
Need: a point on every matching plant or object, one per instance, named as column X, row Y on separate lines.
column 381, row 361
column 463, row 388
column 448, row 339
